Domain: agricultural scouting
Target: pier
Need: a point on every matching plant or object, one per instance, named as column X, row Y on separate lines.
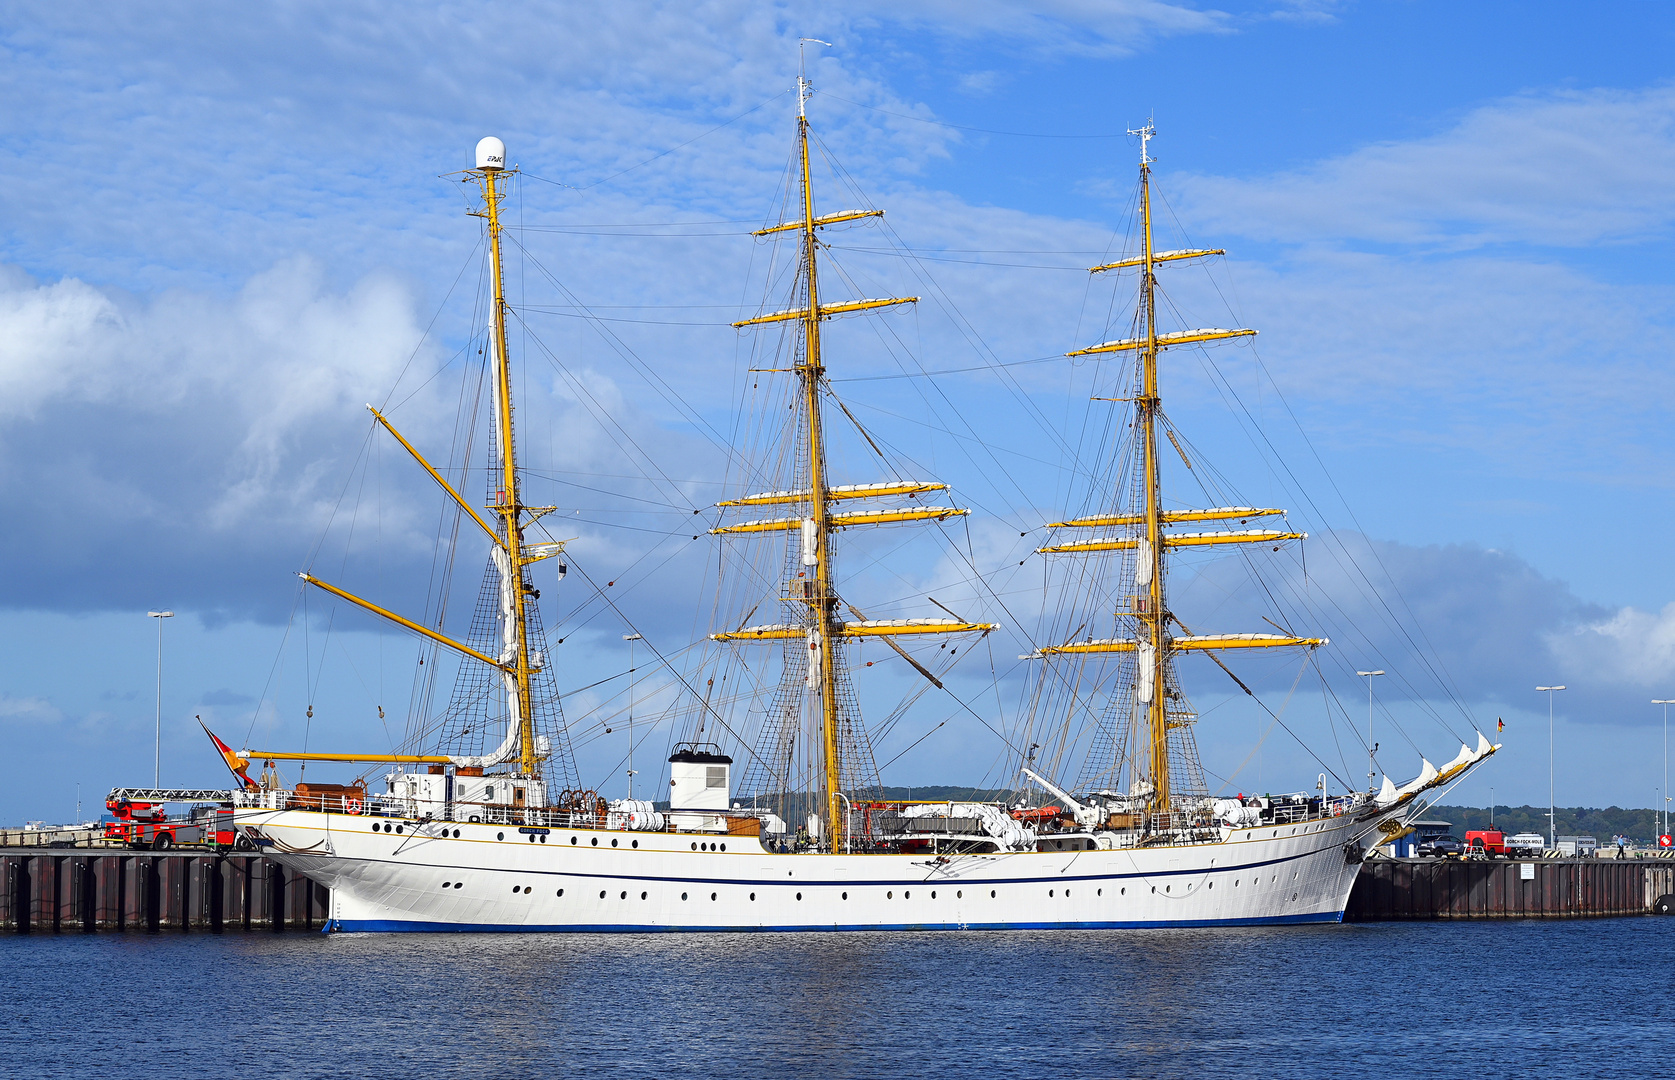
column 54, row 890
column 1390, row 889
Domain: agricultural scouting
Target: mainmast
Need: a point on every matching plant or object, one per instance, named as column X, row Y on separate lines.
column 1147, row 528
column 822, row 626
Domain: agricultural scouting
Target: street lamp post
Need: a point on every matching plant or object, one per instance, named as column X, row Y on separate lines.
column 1552, row 827
column 1665, row 793
column 1372, row 747
column 157, row 759
column 631, row 639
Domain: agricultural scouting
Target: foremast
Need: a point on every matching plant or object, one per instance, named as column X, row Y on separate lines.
column 823, row 626
column 1146, row 532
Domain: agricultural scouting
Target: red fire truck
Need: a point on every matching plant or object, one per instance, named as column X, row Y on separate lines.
column 142, row 820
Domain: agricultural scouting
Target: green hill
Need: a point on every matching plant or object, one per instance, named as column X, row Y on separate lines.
column 1639, row 825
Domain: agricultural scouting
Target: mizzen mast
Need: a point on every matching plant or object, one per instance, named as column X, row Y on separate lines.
column 508, row 554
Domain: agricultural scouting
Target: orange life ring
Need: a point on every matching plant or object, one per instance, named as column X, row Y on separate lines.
column 353, row 806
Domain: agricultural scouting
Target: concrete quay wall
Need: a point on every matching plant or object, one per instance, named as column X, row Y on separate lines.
column 66, row 891
column 1394, row 889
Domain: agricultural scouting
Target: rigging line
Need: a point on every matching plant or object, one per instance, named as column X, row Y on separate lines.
column 1395, row 622
column 666, row 153
column 278, row 657
column 589, row 316
column 946, row 371
column 1264, row 707
column 964, row 127
column 658, row 383
column 470, row 258
column 605, row 491
column 682, row 678
column 963, row 262
column 634, row 224
column 910, row 746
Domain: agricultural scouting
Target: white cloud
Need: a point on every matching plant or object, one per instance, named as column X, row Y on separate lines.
column 1568, row 168
column 29, row 710
column 1632, row 647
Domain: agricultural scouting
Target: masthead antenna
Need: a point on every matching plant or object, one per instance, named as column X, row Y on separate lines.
column 805, row 89
column 1146, row 132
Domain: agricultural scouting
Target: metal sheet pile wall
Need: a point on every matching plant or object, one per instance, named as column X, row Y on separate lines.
column 1491, row 889
column 193, row 891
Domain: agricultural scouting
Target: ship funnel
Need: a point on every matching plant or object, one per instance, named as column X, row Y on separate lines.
column 491, row 154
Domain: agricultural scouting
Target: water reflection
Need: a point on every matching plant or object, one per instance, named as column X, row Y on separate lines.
column 1174, row 1002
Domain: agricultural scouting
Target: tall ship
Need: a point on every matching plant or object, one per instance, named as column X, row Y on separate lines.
column 778, row 821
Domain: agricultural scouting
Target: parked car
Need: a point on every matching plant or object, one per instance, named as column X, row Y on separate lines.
column 1441, row 847
column 1526, row 844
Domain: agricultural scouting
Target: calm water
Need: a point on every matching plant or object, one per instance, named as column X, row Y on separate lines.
column 1587, row 999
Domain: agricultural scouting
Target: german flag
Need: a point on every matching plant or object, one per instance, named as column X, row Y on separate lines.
column 1500, row 725
column 237, row 764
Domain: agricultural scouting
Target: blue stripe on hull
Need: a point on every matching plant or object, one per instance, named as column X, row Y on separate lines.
column 380, row 926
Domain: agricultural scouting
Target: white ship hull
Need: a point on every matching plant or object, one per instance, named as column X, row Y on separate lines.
column 500, row 878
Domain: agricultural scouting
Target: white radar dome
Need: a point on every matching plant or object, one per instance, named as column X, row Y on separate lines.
column 491, row 153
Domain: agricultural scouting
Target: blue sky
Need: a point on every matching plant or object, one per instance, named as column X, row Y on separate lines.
column 227, row 232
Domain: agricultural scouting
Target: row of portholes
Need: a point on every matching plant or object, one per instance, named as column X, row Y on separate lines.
column 532, row 837
column 706, row 847
column 453, row 885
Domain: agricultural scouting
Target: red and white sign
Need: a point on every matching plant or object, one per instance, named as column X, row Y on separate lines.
column 1666, row 840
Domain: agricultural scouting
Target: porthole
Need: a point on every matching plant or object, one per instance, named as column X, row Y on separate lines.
column 459, row 884
column 531, row 838
column 475, row 820
column 694, row 845
column 683, row 896
column 991, row 894
column 601, row 894
column 799, row 896
column 960, row 894
column 1212, row 884
column 1067, row 892
column 752, row 896
column 543, row 838
column 623, row 895
column 1235, row 883
column 1154, row 888
column 1169, row 888
column 447, row 884
column 398, row 828
column 634, row 843
column 723, row 847
column 497, row 836
column 933, row 894
column 594, row 841
column 907, row 894
column 846, row 896
column 1049, row 892
column 889, row 896
column 517, row 888
column 1099, row 892
column 642, row 896
column 1123, row 891
column 561, row 892
column 613, row 842
column 572, row 839
column 456, row 834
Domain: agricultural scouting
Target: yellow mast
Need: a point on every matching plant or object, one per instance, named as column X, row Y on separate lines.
column 1149, row 564
column 822, row 599
column 1153, row 645
column 823, row 628
column 506, row 501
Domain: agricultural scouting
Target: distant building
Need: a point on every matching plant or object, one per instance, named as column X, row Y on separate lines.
column 1423, row 833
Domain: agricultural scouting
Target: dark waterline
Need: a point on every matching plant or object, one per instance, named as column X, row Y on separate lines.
column 1481, row 999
